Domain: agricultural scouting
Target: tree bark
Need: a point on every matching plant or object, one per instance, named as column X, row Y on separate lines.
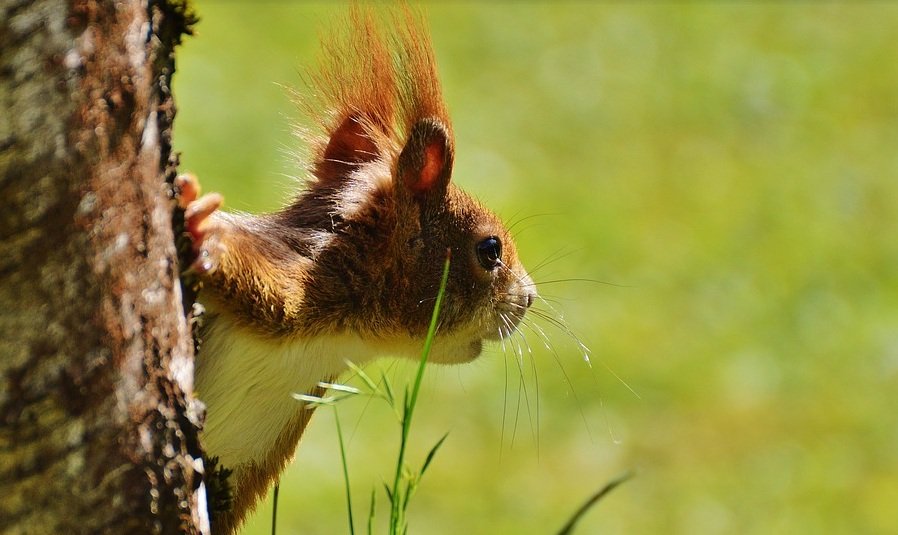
column 98, row 427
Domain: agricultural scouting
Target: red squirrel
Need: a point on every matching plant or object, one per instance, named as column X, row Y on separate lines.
column 350, row 268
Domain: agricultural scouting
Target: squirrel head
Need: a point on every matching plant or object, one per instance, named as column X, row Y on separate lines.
column 381, row 211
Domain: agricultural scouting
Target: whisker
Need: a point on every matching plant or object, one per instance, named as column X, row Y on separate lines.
column 513, row 220
column 516, row 313
column 614, row 439
column 586, row 357
column 594, row 281
column 512, row 223
column 502, row 337
column 550, row 259
column 558, row 322
column 524, row 382
column 505, row 389
column 517, row 414
column 535, row 386
column 516, row 233
column 518, row 343
column 517, row 355
column 540, row 333
column 616, row 376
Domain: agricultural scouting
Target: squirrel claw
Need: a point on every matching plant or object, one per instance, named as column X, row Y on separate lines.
column 197, row 210
column 188, row 189
column 196, row 213
column 202, row 264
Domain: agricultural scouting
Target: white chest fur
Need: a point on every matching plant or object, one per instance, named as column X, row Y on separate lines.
column 246, row 382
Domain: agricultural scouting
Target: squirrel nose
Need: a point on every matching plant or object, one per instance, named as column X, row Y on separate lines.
column 529, row 289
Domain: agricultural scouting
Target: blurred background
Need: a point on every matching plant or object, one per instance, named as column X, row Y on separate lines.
column 730, row 174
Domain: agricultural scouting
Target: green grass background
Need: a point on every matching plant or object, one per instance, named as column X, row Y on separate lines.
column 733, row 167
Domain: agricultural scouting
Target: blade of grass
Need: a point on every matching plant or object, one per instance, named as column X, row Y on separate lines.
column 410, row 484
column 395, row 513
column 340, row 388
column 388, row 390
column 314, row 401
column 360, row 373
column 568, row 528
column 345, row 472
column 371, row 513
column 433, row 451
column 274, row 508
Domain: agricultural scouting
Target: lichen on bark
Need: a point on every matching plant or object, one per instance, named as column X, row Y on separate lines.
column 98, row 428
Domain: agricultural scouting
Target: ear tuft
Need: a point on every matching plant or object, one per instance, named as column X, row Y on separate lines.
column 349, row 146
column 425, row 164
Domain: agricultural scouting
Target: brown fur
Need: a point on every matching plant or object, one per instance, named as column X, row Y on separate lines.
column 361, row 248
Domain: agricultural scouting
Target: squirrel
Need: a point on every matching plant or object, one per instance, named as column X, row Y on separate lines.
column 349, row 270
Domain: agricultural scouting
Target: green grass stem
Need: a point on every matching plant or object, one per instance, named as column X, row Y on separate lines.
column 411, row 399
column 274, row 508
column 345, row 472
column 568, row 528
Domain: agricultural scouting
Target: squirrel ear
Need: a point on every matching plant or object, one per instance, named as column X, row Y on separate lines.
column 349, row 147
column 425, row 163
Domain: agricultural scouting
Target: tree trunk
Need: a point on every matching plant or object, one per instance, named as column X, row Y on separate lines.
column 98, row 427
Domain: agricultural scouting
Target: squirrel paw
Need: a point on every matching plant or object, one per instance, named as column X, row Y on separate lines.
column 197, row 223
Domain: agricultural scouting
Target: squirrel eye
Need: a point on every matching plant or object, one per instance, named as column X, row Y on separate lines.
column 489, row 253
